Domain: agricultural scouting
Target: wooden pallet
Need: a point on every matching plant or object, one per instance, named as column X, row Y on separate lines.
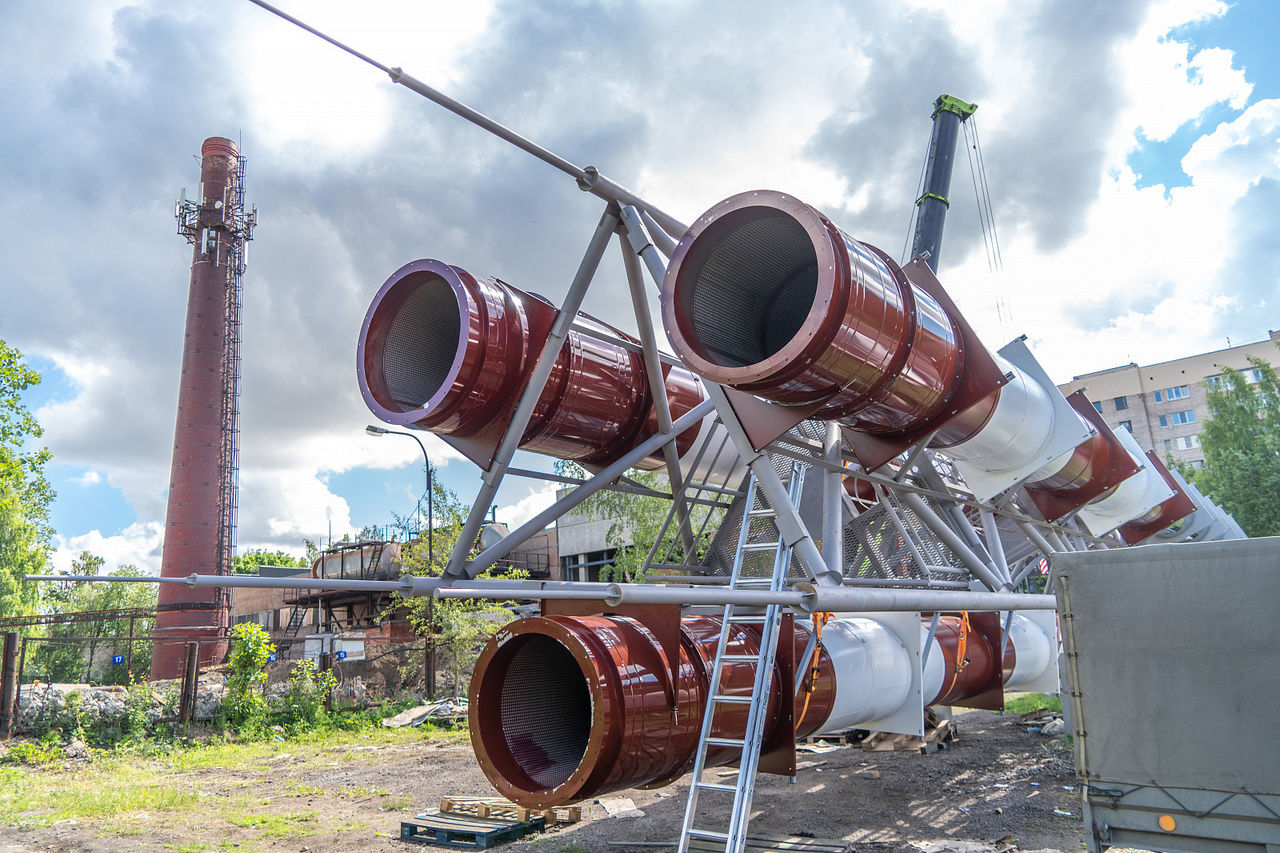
column 1038, row 717
column 935, row 738
column 498, row 807
column 467, row 832
column 766, row 844
column 847, row 736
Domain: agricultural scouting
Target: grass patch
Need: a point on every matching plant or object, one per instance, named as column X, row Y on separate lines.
column 1022, row 703
column 396, row 804
column 287, row 825
column 38, row 800
column 133, row 789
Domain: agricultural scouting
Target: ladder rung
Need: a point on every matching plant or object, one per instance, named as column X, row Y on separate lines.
column 740, row 658
column 753, row 582
column 753, row 619
column 710, row 835
column 761, row 546
column 731, row 700
column 716, row 786
column 726, row 741
column 761, row 513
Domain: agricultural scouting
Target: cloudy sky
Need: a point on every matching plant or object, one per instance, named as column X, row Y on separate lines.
column 1132, row 151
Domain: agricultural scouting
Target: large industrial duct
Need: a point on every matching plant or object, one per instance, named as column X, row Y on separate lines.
column 565, row 708
column 445, row 351
column 764, row 294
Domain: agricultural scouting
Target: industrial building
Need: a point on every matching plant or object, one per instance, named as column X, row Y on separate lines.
column 1165, row 405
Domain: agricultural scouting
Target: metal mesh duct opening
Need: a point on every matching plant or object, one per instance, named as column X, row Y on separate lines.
column 421, row 343
column 752, row 292
column 545, row 709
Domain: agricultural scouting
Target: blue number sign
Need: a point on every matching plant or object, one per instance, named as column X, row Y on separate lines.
column 116, row 660
column 342, row 655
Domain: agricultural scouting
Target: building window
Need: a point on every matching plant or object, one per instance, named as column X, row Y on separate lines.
column 1159, row 395
column 1177, row 392
column 1197, row 463
column 1186, row 416
column 1213, row 381
column 1168, row 442
column 1188, row 442
column 1122, row 403
column 1098, row 407
column 1127, row 425
column 1255, row 375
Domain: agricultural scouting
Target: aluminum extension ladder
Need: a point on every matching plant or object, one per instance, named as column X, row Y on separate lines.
column 734, row 837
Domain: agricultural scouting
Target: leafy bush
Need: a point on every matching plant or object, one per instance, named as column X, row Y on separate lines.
column 32, row 752
column 1023, row 703
column 245, row 706
column 303, row 704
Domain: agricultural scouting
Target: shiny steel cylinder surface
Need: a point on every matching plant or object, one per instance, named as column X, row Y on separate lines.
column 445, row 351
column 1019, row 417
column 566, row 708
column 191, row 534
column 766, row 295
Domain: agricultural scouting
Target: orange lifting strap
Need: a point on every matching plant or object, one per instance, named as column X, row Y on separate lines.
column 815, row 662
column 962, row 650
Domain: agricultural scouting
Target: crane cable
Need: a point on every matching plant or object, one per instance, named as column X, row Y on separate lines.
column 986, row 214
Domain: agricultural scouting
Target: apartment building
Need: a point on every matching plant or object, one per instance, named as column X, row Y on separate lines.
column 1165, row 405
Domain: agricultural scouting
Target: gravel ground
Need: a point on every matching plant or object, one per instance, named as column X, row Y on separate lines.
column 995, row 790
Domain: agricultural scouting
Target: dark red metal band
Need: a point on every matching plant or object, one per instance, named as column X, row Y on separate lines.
column 636, row 735
column 444, row 351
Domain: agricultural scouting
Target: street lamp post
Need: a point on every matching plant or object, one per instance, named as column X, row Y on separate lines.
column 380, row 431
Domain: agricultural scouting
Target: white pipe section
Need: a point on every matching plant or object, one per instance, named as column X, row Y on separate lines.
column 873, row 671
column 1134, row 497
column 1034, row 651
column 712, row 458
column 1016, row 431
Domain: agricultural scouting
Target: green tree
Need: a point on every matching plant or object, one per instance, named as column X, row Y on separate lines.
column 74, row 662
column 248, row 562
column 1241, row 444
column 25, row 493
column 637, row 520
column 459, row 626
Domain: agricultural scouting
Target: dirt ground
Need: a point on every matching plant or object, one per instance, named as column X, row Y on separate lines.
column 996, row 782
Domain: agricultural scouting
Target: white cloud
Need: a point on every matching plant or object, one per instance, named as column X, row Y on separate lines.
column 355, row 177
column 88, row 478
column 137, row 545
column 1167, row 84
column 538, row 499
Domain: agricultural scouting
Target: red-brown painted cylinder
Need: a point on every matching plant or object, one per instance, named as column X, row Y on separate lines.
column 191, row 536
column 975, row 672
column 1088, row 462
column 564, row 708
column 766, row 295
column 444, row 351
